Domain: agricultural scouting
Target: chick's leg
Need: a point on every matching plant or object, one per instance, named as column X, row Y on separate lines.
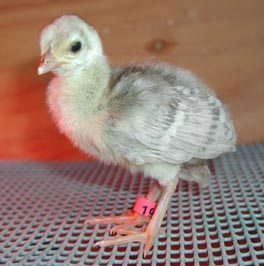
column 130, row 218
column 148, row 236
column 153, row 227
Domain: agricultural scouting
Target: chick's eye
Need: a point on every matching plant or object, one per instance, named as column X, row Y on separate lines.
column 76, row 47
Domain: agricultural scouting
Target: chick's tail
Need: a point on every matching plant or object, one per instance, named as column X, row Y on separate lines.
column 196, row 170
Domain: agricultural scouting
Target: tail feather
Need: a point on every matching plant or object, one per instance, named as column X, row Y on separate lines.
column 196, row 170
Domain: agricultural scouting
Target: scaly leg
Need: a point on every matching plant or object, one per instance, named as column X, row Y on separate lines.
column 130, row 218
column 148, row 236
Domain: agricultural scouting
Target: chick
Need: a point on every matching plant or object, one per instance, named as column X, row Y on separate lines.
column 157, row 119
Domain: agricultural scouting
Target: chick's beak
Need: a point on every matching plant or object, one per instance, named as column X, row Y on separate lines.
column 45, row 64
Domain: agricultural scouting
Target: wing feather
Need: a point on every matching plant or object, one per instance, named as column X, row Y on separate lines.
column 161, row 122
column 190, row 125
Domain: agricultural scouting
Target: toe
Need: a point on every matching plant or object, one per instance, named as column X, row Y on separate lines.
column 138, row 237
column 151, row 236
column 119, row 230
column 148, row 245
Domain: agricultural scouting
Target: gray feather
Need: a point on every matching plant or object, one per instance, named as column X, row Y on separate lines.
column 165, row 114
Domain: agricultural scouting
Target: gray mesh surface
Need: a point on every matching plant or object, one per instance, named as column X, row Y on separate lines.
column 44, row 206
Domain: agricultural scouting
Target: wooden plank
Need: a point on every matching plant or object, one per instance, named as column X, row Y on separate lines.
column 220, row 41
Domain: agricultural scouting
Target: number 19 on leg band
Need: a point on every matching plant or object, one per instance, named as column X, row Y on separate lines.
column 144, row 206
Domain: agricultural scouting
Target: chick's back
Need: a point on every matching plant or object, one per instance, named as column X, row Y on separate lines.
column 159, row 113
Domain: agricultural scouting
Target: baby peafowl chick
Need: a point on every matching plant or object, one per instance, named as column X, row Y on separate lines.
column 157, row 119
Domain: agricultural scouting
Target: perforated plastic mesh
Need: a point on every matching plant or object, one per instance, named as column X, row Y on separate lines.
column 44, row 206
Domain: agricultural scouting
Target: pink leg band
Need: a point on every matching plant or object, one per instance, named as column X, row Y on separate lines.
column 144, row 206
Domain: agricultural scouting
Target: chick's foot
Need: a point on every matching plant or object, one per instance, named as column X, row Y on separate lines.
column 129, row 227
column 147, row 238
column 128, row 220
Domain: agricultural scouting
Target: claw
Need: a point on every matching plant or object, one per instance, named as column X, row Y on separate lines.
column 112, row 232
column 148, row 245
column 145, row 253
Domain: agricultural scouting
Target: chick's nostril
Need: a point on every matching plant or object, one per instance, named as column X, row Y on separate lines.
column 42, row 59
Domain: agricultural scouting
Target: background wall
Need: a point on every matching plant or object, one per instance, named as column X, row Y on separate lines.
column 221, row 41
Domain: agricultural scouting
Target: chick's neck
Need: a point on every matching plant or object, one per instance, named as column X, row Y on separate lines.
column 85, row 88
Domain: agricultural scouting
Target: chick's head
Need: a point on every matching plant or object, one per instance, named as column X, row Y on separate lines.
column 68, row 44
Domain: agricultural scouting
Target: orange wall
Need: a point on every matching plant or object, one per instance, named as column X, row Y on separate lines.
column 221, row 41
